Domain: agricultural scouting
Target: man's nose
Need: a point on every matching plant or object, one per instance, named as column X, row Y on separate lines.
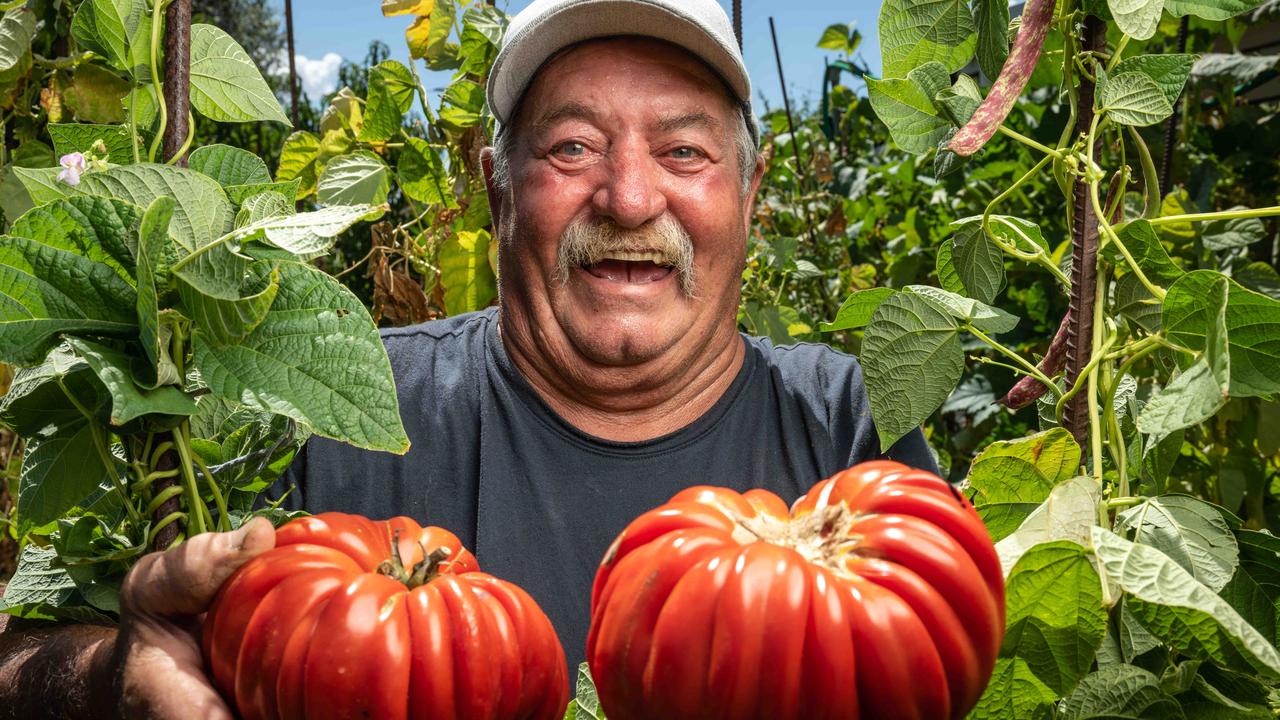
column 631, row 192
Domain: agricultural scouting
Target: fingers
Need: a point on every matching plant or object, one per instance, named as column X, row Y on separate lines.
column 162, row 677
column 183, row 581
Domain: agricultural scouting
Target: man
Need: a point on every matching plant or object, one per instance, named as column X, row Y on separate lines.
column 613, row 374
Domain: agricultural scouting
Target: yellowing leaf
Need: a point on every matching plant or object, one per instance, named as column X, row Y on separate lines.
column 419, row 37
column 407, row 7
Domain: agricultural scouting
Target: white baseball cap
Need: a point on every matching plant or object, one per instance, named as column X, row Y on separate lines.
column 548, row 26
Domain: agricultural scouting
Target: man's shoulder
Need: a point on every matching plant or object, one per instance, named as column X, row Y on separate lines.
column 458, row 329
column 817, row 365
column 440, row 358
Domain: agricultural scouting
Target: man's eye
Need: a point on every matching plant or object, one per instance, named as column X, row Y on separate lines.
column 685, row 153
column 570, row 149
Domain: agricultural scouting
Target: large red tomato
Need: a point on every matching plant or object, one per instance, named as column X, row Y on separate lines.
column 878, row 595
column 336, row 623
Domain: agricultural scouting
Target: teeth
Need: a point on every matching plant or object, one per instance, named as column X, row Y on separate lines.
column 653, row 257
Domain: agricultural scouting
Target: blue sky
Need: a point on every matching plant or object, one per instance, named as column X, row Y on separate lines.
column 326, row 31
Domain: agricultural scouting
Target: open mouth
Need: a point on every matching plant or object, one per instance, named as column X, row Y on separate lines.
column 631, row 267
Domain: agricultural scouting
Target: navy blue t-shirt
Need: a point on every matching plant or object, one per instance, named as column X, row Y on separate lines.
column 537, row 500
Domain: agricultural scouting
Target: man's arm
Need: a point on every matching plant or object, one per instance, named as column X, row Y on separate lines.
column 151, row 666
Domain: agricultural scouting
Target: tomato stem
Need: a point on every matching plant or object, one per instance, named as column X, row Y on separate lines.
column 423, row 572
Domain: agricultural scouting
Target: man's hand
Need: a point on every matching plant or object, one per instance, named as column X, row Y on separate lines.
column 161, row 604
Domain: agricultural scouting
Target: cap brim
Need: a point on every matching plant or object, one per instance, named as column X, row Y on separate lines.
column 523, row 55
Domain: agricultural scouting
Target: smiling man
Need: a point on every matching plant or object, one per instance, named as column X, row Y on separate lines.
column 610, row 376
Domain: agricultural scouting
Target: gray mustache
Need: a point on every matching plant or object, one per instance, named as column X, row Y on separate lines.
column 587, row 243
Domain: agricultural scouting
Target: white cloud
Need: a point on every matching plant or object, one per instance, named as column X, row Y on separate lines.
column 317, row 77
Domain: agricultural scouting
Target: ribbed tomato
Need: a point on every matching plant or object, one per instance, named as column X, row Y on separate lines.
column 336, row 623
column 878, row 595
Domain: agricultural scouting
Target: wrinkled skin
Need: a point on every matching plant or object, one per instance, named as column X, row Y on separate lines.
column 319, row 627
column 877, row 595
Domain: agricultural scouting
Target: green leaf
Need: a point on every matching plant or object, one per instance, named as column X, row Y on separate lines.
column 1232, row 67
column 17, row 27
column 262, row 206
column 1067, row 514
column 391, row 89
column 225, row 84
column 226, row 319
column 465, row 95
column 992, row 20
column 37, row 580
column 1137, row 18
column 317, row 358
column 907, row 107
column 1253, row 329
column 155, row 256
column 80, row 137
column 37, row 398
column 979, row 314
column 1200, row 391
column 100, row 229
column 1011, row 478
column 421, row 174
column 1136, row 303
column 46, row 291
column 1168, row 71
column 128, row 400
column 469, row 283
column 106, row 26
column 585, row 704
column 1140, row 238
column 42, row 184
column 298, row 161
column 1252, row 601
column 914, row 32
column 912, row 360
column 229, row 165
column 1133, row 98
column 359, row 178
column 60, row 467
column 1232, row 233
column 201, row 213
column 1178, row 609
column 1120, row 691
column 1014, row 693
column 1055, row 619
column 856, row 310
column 237, row 194
column 311, row 233
column 978, row 262
column 1210, row 9
column 948, row 276
column 1190, row 531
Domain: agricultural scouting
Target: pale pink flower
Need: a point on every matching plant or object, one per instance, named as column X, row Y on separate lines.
column 72, row 165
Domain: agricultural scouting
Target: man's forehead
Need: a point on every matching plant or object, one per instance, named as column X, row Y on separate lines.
column 665, row 122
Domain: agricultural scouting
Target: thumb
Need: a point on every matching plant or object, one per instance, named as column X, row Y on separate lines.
column 183, row 581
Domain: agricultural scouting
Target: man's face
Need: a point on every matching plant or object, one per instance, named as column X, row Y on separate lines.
column 625, row 236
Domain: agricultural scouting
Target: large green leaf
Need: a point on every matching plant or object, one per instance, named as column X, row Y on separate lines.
column 1232, row 233
column 967, row 310
column 38, row 580
column 1068, row 513
column 912, row 360
column 128, row 399
column 469, row 283
column 856, row 310
column 585, row 704
column 1120, row 691
column 906, row 106
column 46, row 291
column 155, row 256
column 358, row 178
column 308, row 234
column 1168, row 71
column 1137, row 18
column 1178, row 609
column 391, row 89
column 1140, row 239
column 914, row 32
column 106, row 26
column 61, row 466
column 226, row 318
column 1210, row 9
column 229, row 165
column 421, row 174
column 298, row 161
column 1190, row 531
column 201, row 211
column 992, row 20
column 1200, row 391
column 979, row 263
column 1253, row 329
column 17, row 27
column 317, row 358
column 1010, row 478
column 1014, row 693
column 1055, row 619
column 100, row 229
column 37, row 399
column 42, row 184
column 1133, row 98
column 225, row 84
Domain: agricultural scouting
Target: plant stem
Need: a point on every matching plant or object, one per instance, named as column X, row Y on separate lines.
column 196, row 509
column 1029, row 142
column 224, row 521
column 1221, row 215
column 1031, row 370
column 1099, row 350
column 1115, row 55
column 1155, row 290
column 108, row 460
column 157, row 37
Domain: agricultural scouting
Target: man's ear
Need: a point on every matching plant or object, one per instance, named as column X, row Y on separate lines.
column 495, row 197
column 748, row 207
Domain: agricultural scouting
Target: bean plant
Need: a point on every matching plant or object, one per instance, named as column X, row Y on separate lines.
column 1130, row 593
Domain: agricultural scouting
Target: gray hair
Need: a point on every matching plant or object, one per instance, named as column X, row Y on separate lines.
column 504, row 145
